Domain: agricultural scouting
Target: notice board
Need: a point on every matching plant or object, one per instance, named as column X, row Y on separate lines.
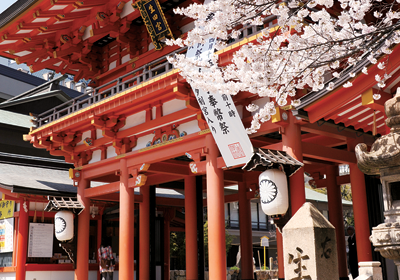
column 40, row 243
column 6, row 235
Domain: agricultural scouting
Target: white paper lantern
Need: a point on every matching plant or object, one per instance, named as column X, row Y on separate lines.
column 273, row 192
column 64, row 225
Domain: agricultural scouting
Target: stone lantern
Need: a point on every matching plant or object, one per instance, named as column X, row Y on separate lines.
column 384, row 160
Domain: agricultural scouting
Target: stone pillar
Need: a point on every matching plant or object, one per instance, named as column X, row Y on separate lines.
column 82, row 254
column 126, row 225
column 336, row 218
column 309, row 243
column 360, row 209
column 291, row 141
column 22, row 240
column 144, row 234
column 215, row 213
column 370, row 269
column 191, row 228
column 246, row 238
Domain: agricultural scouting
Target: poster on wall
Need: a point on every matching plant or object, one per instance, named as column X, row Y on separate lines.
column 6, row 209
column 6, row 235
column 40, row 244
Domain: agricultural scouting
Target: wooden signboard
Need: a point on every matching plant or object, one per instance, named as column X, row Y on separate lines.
column 40, row 240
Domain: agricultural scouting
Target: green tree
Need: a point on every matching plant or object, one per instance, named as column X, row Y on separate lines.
column 177, row 249
column 228, row 242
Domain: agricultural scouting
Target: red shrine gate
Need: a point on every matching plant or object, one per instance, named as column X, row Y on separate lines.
column 141, row 126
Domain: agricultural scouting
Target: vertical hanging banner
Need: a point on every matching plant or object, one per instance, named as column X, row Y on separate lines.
column 221, row 114
column 155, row 21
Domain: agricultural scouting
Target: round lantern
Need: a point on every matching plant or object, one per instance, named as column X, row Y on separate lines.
column 273, row 192
column 64, row 225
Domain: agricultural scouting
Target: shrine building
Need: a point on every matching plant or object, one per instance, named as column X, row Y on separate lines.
column 139, row 130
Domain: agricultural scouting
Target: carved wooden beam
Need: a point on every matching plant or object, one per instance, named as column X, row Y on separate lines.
column 89, row 3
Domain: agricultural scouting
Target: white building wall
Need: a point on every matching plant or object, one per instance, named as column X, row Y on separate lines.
column 7, row 276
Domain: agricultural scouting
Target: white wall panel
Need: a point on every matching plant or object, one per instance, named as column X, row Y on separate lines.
column 134, row 120
column 142, row 141
column 111, row 152
column 173, row 106
column 96, row 156
column 7, row 276
column 189, row 127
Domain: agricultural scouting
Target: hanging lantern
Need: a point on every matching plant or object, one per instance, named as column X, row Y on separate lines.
column 273, row 192
column 64, row 225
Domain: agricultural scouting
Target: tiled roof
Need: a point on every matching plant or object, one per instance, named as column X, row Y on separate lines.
column 15, row 119
column 20, row 76
column 265, row 158
column 14, row 10
column 35, row 180
column 320, row 197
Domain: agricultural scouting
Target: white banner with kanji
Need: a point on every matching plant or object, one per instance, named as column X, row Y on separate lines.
column 221, row 115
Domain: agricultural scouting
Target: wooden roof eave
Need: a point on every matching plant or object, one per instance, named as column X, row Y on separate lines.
column 321, row 103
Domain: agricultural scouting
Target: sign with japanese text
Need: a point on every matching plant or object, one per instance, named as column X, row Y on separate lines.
column 264, row 241
column 221, row 115
column 6, row 209
column 40, row 242
column 6, row 235
column 154, row 20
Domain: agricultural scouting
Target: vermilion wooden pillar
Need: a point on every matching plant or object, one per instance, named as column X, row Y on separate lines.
column 126, row 225
column 82, row 254
column 144, row 234
column 191, row 228
column 246, row 239
column 336, row 218
column 22, row 245
column 215, row 213
column 360, row 209
column 291, row 142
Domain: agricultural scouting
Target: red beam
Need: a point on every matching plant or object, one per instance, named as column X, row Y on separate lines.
column 329, row 154
column 102, row 190
column 166, row 201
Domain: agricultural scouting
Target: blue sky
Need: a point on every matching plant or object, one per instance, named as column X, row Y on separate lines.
column 4, row 4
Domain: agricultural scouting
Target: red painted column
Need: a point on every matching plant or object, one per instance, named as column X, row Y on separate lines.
column 144, row 234
column 82, row 253
column 22, row 241
column 191, row 228
column 279, row 248
column 246, row 239
column 336, row 217
column 126, row 225
column 291, row 141
column 360, row 209
column 215, row 213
